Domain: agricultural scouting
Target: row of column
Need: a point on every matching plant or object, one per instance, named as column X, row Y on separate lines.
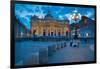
column 49, row 31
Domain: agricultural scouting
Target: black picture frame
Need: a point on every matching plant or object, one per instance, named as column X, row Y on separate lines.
column 12, row 39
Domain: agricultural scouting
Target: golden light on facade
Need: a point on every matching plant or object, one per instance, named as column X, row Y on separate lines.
column 50, row 28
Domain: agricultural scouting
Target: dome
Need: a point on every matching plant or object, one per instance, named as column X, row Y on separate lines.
column 48, row 16
column 34, row 17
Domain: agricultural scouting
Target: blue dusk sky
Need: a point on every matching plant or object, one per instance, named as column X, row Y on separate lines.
column 24, row 12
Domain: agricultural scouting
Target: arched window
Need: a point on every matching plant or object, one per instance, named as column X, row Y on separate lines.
column 34, row 32
column 51, row 33
column 58, row 33
column 44, row 32
column 48, row 34
column 66, row 33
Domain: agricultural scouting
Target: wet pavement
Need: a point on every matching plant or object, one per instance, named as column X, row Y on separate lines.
column 63, row 55
column 72, row 54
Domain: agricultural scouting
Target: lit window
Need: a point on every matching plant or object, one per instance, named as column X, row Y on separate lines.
column 21, row 34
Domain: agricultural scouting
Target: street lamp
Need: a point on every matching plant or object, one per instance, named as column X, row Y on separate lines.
column 76, row 17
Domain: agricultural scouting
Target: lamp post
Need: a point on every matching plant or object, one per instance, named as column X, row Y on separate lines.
column 75, row 17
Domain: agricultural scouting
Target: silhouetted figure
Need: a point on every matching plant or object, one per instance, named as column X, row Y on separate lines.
column 71, row 43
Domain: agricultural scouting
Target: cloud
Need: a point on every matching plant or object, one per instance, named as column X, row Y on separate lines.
column 68, row 16
column 89, row 14
column 65, row 17
column 40, row 12
column 24, row 12
column 75, row 11
column 40, row 15
column 61, row 17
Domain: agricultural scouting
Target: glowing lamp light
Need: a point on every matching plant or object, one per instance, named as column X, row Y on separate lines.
column 75, row 15
column 87, row 34
column 79, row 35
column 21, row 34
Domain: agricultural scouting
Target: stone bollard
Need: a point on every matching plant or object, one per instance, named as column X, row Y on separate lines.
column 58, row 46
column 65, row 44
column 43, row 56
column 51, row 50
column 54, row 48
column 32, row 59
column 62, row 45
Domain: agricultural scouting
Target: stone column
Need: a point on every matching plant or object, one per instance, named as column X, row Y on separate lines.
column 50, row 31
column 42, row 31
column 53, row 31
column 61, row 32
column 46, row 31
column 56, row 31
column 37, row 31
column 64, row 31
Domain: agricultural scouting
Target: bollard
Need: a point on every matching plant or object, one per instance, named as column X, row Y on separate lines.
column 71, row 43
column 43, row 56
column 55, row 48
column 51, row 50
column 58, row 46
column 62, row 45
column 65, row 44
column 32, row 59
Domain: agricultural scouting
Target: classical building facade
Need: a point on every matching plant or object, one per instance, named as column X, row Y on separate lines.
column 48, row 26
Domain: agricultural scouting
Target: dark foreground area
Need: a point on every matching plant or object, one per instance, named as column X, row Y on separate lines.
column 48, row 52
